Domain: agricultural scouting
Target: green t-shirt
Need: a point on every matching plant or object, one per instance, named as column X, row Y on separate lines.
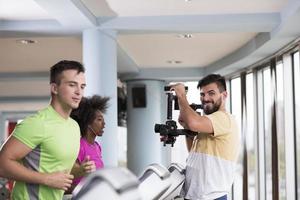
column 55, row 144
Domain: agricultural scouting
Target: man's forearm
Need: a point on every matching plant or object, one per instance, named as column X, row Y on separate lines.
column 186, row 111
column 12, row 169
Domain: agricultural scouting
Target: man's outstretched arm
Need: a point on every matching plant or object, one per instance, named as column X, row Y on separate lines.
column 12, row 152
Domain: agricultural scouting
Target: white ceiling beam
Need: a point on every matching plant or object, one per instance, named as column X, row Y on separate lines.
column 195, row 23
column 38, row 25
column 168, row 74
column 69, row 13
column 34, row 28
column 263, row 22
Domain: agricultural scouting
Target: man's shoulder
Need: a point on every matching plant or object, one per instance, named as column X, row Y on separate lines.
column 31, row 119
column 36, row 119
column 29, row 129
column 47, row 114
column 221, row 112
column 43, row 113
column 222, row 119
column 220, row 115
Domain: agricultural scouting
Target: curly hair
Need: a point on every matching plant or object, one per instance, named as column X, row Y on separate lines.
column 85, row 114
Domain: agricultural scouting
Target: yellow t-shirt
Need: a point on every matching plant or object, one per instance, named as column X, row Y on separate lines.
column 211, row 164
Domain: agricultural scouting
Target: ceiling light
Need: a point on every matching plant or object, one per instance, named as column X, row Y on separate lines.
column 26, row 41
column 187, row 0
column 187, row 36
column 174, row 61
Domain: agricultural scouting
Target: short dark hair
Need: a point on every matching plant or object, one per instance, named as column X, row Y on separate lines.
column 213, row 78
column 57, row 69
column 86, row 111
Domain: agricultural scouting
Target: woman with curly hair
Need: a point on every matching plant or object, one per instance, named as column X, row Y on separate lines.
column 89, row 116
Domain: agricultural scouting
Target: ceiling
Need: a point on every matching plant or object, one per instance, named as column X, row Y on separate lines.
column 165, row 39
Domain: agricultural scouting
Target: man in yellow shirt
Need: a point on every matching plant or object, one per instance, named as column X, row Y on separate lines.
column 214, row 150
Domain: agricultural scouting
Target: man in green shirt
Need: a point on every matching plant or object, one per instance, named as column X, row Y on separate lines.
column 42, row 149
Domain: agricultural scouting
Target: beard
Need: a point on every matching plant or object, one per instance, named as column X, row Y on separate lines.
column 210, row 107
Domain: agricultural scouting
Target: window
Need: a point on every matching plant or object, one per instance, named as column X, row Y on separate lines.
column 297, row 115
column 251, row 139
column 280, row 125
column 267, row 102
column 235, row 91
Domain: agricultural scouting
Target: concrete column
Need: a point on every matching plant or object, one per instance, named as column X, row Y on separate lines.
column 143, row 144
column 100, row 61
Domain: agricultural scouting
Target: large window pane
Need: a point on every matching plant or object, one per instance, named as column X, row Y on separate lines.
column 259, row 127
column 250, row 139
column 236, row 111
column 289, row 127
column 267, row 131
column 280, row 130
column 297, row 112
